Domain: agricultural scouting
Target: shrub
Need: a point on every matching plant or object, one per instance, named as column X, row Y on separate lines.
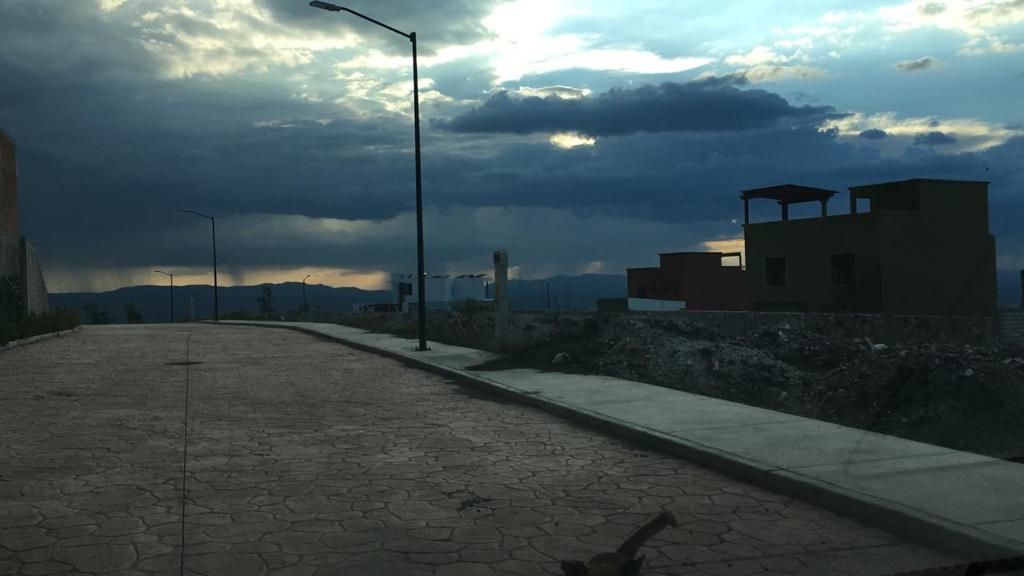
column 16, row 324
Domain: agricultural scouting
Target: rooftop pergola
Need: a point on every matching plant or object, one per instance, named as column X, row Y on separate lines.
column 785, row 195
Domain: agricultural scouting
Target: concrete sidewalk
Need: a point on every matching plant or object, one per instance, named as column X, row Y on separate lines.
column 950, row 500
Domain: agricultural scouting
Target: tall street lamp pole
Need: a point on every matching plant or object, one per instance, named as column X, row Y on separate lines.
column 304, row 307
column 171, row 276
column 422, row 300
column 213, row 225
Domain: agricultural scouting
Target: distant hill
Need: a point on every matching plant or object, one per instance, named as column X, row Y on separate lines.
column 556, row 293
column 566, row 292
column 153, row 302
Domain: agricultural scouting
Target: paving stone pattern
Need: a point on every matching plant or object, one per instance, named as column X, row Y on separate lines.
column 310, row 458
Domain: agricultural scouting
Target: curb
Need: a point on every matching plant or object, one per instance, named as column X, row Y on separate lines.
column 38, row 338
column 909, row 523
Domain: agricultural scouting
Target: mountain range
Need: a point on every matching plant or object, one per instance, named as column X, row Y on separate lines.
column 196, row 301
column 153, row 303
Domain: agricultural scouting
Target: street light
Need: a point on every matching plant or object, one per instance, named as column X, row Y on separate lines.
column 422, row 304
column 213, row 224
column 172, row 290
column 304, row 307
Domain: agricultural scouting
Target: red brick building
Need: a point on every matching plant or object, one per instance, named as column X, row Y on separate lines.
column 698, row 278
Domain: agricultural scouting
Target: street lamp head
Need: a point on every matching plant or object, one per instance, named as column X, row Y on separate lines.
column 325, row 6
column 196, row 213
column 335, row 8
column 307, row 277
column 162, row 272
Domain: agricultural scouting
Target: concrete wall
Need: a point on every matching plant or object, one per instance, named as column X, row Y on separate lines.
column 18, row 258
column 10, row 255
column 8, row 186
column 881, row 329
column 33, row 284
column 649, row 305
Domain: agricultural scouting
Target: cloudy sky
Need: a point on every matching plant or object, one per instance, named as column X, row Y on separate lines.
column 581, row 136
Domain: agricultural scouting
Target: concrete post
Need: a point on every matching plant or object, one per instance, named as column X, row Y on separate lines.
column 501, row 300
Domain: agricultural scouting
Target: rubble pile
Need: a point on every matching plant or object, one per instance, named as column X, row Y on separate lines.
column 960, row 396
column 964, row 397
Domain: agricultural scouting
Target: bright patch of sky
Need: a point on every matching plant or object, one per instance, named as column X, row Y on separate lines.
column 871, row 57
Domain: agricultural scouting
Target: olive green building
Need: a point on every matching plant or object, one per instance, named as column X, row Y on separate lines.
column 910, row 247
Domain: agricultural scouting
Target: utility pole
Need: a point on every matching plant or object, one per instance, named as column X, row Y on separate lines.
column 171, row 276
column 213, row 227
column 305, row 308
column 501, row 299
column 421, row 273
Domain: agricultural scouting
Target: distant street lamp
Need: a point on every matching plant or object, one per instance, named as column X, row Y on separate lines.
column 172, row 290
column 304, row 307
column 422, row 304
column 213, row 225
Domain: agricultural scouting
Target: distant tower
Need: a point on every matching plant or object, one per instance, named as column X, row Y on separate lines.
column 8, row 186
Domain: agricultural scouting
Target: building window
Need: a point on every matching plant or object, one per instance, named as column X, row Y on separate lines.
column 775, row 271
column 843, row 270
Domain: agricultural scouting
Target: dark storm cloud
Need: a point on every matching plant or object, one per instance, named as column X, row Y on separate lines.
column 436, row 23
column 874, row 134
column 67, row 39
column 917, row 65
column 108, row 151
column 105, row 160
column 734, row 79
column 934, row 139
column 669, row 107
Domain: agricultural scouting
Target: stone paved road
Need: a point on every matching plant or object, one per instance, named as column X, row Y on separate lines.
column 307, row 457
